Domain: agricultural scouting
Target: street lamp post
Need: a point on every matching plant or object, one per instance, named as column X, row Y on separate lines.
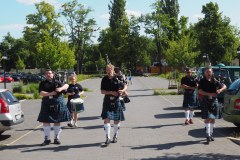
column 4, row 58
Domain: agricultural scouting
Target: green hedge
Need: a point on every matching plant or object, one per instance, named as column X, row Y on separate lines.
column 22, row 96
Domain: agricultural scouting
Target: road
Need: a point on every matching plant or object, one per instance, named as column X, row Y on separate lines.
column 154, row 130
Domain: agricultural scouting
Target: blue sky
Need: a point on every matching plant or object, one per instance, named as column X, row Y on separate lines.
column 13, row 12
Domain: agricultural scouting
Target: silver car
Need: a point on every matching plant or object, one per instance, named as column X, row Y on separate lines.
column 10, row 111
column 231, row 109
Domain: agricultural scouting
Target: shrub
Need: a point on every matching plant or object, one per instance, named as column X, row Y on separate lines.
column 32, row 87
column 36, row 95
column 19, row 89
column 86, row 90
column 22, row 96
column 164, row 92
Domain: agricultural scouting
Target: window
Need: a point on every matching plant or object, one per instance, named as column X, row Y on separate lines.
column 8, row 97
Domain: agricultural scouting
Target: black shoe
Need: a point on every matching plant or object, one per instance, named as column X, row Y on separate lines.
column 70, row 125
column 114, row 139
column 46, row 142
column 212, row 138
column 57, row 141
column 108, row 141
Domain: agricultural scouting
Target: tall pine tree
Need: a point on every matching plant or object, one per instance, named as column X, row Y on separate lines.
column 118, row 23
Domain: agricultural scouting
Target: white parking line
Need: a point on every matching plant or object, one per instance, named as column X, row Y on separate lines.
column 22, row 136
column 168, row 100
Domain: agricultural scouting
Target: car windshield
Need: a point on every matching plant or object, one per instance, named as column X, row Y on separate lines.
column 9, row 97
column 234, row 87
column 221, row 73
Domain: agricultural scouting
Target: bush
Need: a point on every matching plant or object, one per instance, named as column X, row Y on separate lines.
column 82, row 77
column 19, row 89
column 36, row 95
column 22, row 96
column 164, row 92
column 86, row 90
column 32, row 87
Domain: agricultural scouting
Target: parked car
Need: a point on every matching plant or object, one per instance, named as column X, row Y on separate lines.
column 231, row 106
column 7, row 78
column 10, row 111
column 34, row 78
column 16, row 76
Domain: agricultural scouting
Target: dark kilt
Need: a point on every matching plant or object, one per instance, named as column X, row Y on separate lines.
column 56, row 114
column 189, row 99
column 115, row 114
column 210, row 108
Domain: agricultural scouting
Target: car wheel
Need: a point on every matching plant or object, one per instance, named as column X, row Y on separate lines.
column 237, row 124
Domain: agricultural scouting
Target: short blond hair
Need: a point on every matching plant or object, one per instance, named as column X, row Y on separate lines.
column 110, row 66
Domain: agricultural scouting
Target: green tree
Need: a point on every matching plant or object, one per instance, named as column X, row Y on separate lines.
column 183, row 51
column 138, row 48
column 13, row 49
column 118, row 23
column 155, row 24
column 216, row 35
column 55, row 55
column 171, row 9
column 20, row 64
column 43, row 30
column 81, row 29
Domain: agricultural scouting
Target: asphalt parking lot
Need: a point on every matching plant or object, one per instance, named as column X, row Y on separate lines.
column 154, row 129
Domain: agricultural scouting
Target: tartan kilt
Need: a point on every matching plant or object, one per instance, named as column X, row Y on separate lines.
column 207, row 112
column 108, row 113
column 189, row 99
column 56, row 114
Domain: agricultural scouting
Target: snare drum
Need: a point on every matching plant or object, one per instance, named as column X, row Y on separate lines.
column 77, row 105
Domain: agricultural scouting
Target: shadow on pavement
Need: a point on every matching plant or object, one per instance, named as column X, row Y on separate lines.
column 169, row 115
column 88, row 118
column 52, row 147
column 168, row 145
column 173, row 108
column 196, row 156
column 30, row 129
column 4, row 137
column 218, row 132
column 87, row 127
column 144, row 95
column 158, row 126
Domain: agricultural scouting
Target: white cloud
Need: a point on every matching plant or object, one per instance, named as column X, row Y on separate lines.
column 133, row 13
column 55, row 3
column 31, row 2
column 198, row 16
column 105, row 16
column 13, row 26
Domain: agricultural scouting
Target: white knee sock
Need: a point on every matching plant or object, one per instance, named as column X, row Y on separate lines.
column 191, row 114
column 57, row 130
column 208, row 129
column 107, row 128
column 187, row 114
column 116, row 129
column 211, row 128
column 46, row 130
